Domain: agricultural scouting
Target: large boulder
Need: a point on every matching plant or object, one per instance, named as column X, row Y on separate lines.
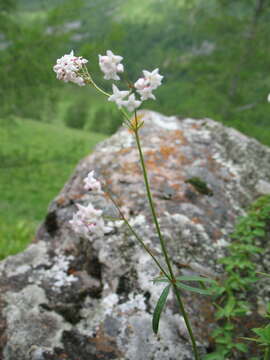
column 66, row 297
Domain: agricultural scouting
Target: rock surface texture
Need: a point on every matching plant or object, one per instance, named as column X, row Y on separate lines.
column 66, row 297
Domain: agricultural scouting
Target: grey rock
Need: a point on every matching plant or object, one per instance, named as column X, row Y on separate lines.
column 263, row 187
column 66, row 297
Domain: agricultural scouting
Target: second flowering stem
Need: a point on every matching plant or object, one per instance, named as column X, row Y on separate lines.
column 146, row 248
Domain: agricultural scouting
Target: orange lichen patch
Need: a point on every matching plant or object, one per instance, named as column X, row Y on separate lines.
column 180, row 197
column 129, row 167
column 61, row 201
column 196, row 220
column 63, row 356
column 166, row 151
column 105, row 345
column 211, row 163
column 184, row 160
column 196, row 126
column 76, row 196
column 109, row 180
column 177, row 186
column 152, row 165
column 152, row 158
column 72, row 271
column 150, row 153
column 177, row 135
column 155, row 159
column 124, row 151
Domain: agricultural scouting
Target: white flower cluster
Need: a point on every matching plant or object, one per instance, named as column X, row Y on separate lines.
column 87, row 220
column 110, row 64
column 118, row 97
column 68, row 68
column 151, row 81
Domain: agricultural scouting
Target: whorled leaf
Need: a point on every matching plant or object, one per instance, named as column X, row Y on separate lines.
column 193, row 289
column 159, row 307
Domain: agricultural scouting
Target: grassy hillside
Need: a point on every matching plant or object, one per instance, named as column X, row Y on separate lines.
column 36, row 161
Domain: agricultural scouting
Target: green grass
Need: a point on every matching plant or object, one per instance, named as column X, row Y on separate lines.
column 36, row 160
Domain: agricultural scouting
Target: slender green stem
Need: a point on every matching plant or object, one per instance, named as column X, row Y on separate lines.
column 267, row 353
column 162, row 242
column 151, row 203
column 90, row 80
column 97, row 87
column 185, row 316
column 137, row 236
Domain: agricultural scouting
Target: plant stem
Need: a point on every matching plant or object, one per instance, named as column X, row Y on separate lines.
column 137, row 236
column 267, row 353
column 97, row 87
column 91, row 82
column 151, row 203
column 185, row 316
column 162, row 242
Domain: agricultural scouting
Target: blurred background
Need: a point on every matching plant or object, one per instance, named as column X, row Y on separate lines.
column 214, row 55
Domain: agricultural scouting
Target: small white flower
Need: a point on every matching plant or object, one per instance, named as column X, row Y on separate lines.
column 146, row 85
column 118, row 96
column 92, row 184
column 146, row 93
column 131, row 104
column 144, row 89
column 110, row 65
column 88, row 221
column 140, row 84
column 268, row 98
column 154, row 78
column 68, row 68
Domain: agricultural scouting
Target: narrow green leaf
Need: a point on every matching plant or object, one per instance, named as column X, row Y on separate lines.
column 241, row 347
column 228, row 326
column 259, row 232
column 250, row 339
column 140, row 125
column 193, row 289
column 195, row 278
column 262, row 273
column 229, row 307
column 159, row 307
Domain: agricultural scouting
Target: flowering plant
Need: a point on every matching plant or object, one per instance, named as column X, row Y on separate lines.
column 88, row 221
